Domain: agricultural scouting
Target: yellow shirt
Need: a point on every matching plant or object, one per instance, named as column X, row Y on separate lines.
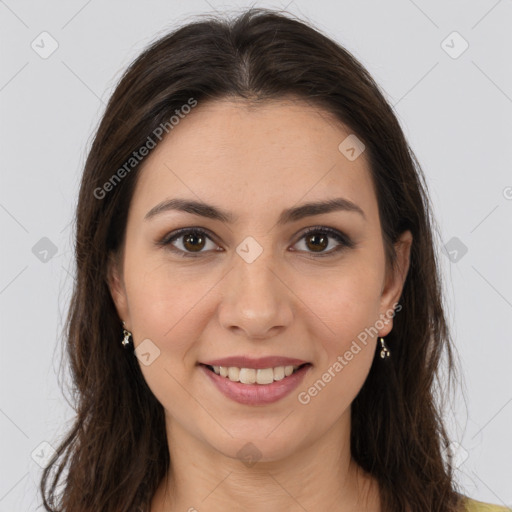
column 479, row 506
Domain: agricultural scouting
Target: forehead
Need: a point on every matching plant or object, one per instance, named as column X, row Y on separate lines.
column 254, row 156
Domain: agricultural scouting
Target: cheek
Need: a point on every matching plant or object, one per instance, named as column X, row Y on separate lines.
column 347, row 302
column 167, row 304
column 171, row 304
column 328, row 395
column 349, row 307
column 166, row 308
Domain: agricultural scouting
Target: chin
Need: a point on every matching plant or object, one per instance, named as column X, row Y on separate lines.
column 259, row 447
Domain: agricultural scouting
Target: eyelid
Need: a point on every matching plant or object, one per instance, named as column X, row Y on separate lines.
column 338, row 235
column 344, row 241
column 167, row 240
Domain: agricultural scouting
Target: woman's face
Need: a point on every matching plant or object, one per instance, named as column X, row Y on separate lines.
column 252, row 283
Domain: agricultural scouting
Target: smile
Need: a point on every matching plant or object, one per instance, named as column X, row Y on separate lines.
column 251, row 386
column 260, row 376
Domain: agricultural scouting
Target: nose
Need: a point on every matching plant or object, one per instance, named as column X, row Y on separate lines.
column 257, row 303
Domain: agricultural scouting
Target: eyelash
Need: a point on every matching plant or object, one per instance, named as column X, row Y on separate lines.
column 344, row 241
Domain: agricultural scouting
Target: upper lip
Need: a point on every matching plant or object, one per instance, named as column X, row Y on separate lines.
column 249, row 362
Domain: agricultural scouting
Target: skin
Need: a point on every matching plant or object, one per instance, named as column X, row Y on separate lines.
column 256, row 161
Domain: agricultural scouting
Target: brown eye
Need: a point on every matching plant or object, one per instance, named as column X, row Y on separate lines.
column 317, row 242
column 189, row 242
column 193, row 241
column 318, row 239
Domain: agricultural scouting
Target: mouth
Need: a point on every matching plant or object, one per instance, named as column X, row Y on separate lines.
column 256, row 386
column 251, row 376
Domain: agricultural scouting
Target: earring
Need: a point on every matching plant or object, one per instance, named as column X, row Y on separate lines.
column 384, row 352
column 127, row 338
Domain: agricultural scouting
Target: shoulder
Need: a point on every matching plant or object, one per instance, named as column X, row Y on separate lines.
column 480, row 506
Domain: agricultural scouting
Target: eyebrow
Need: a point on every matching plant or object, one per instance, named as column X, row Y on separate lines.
column 289, row 215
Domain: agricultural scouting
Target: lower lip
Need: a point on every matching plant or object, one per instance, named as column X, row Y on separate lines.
column 257, row 394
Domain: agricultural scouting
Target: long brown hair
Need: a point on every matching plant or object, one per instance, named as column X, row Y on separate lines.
column 116, row 454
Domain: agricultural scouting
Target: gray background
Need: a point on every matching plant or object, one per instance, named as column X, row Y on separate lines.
column 455, row 110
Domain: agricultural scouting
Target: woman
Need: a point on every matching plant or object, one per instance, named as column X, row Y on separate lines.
column 257, row 321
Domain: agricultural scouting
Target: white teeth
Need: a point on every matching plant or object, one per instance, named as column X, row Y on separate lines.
column 247, row 375
column 264, row 375
column 233, row 373
column 279, row 373
column 254, row 376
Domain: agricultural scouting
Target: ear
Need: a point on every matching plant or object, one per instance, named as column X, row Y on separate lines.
column 117, row 289
column 394, row 282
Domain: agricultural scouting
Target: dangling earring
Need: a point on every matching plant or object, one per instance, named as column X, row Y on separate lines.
column 127, row 338
column 384, row 352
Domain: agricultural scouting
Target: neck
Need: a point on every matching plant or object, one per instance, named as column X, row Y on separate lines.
column 315, row 476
